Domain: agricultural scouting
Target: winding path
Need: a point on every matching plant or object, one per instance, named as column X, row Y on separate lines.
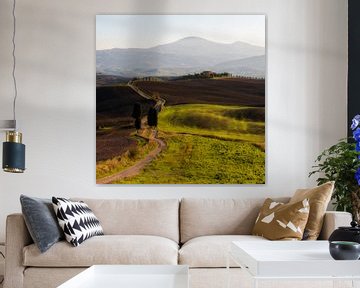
column 160, row 103
column 137, row 167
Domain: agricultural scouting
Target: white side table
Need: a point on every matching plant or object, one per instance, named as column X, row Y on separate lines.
column 131, row 276
column 282, row 261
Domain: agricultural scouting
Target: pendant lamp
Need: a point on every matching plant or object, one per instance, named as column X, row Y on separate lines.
column 13, row 160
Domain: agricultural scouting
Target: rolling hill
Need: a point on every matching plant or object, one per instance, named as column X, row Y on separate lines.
column 185, row 56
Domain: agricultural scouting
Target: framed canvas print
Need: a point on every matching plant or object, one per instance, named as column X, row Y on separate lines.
column 180, row 99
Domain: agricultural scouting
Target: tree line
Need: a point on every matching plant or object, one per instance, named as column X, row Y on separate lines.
column 152, row 117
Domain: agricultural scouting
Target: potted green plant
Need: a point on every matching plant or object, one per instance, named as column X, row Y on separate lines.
column 341, row 163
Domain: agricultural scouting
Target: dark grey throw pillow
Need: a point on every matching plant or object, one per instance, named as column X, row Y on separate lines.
column 41, row 221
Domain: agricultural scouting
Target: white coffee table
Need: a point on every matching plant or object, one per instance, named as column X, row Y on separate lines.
column 297, row 260
column 131, row 276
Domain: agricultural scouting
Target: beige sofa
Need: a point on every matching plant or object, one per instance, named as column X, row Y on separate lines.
column 194, row 232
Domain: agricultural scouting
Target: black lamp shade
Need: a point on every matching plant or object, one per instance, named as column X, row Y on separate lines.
column 13, row 157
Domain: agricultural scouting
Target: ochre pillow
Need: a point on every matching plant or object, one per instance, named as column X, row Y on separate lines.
column 279, row 221
column 319, row 198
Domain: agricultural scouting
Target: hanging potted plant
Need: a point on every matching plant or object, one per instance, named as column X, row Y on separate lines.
column 341, row 163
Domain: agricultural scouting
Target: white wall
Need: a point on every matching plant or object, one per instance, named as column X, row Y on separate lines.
column 306, row 93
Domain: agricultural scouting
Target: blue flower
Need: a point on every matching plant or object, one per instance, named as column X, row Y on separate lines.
column 355, row 122
column 357, row 176
column 356, row 134
column 357, row 147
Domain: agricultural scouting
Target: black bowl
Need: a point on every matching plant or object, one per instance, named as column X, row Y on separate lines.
column 344, row 250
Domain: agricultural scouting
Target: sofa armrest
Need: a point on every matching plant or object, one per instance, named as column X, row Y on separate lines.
column 17, row 237
column 333, row 220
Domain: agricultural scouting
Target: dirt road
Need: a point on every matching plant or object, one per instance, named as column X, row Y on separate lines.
column 160, row 103
column 136, row 168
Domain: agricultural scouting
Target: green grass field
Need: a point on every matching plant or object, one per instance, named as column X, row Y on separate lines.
column 200, row 160
column 221, row 122
column 208, row 144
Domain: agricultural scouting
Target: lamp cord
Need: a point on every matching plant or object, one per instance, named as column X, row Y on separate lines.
column 14, row 61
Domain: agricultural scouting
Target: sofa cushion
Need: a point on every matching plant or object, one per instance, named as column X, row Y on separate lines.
column 76, row 220
column 211, row 251
column 107, row 249
column 41, row 221
column 200, row 217
column 35, row 277
column 158, row 217
column 319, row 198
column 279, row 221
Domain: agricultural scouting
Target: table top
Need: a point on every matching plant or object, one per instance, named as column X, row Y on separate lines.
column 291, row 259
column 131, row 276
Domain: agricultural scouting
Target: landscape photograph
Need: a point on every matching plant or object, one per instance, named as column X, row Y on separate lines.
column 180, row 99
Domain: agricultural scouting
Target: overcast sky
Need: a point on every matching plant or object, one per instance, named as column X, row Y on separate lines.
column 144, row 31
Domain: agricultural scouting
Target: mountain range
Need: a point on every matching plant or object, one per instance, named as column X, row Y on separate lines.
column 185, row 56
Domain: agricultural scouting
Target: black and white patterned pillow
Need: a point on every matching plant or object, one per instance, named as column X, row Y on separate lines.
column 77, row 220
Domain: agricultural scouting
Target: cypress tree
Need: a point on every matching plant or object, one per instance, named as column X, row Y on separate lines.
column 138, row 124
column 152, row 117
column 136, row 111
